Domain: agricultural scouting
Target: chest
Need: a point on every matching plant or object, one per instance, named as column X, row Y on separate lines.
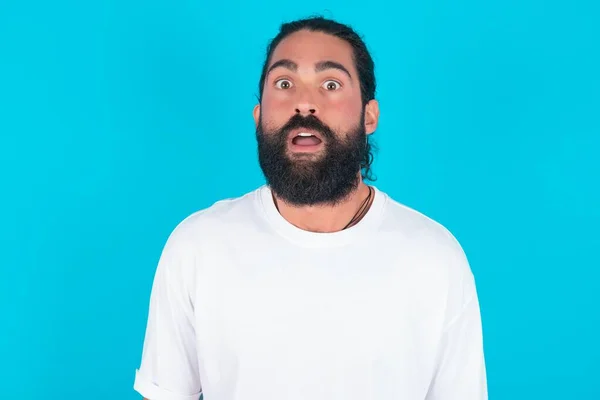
column 346, row 304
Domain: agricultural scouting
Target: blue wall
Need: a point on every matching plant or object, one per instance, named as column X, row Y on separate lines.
column 119, row 118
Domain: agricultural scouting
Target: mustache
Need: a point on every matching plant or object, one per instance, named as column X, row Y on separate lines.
column 309, row 122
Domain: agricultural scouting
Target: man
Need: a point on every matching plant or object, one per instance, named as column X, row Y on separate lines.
column 315, row 286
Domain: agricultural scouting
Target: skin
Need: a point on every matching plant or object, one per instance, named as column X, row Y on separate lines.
column 308, row 86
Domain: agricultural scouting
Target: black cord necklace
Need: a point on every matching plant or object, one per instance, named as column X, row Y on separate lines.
column 364, row 206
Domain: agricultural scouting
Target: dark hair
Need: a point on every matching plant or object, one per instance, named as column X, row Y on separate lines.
column 362, row 61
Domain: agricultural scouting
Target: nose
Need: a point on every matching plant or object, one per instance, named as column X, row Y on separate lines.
column 305, row 110
column 306, row 105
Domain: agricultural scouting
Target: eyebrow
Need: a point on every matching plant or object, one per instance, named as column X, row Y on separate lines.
column 319, row 67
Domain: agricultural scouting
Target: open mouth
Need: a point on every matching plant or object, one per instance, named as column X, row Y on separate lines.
column 305, row 138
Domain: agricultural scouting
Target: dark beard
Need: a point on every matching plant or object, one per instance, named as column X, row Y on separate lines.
column 309, row 179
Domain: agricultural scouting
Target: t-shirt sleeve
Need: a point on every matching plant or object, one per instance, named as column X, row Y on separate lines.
column 461, row 371
column 169, row 364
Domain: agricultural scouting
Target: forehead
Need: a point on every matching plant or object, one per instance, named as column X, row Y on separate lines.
column 306, row 47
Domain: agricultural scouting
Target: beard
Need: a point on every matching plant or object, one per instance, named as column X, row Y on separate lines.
column 327, row 177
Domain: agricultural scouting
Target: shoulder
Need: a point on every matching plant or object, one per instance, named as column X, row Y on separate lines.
column 405, row 220
column 220, row 217
column 423, row 235
column 431, row 250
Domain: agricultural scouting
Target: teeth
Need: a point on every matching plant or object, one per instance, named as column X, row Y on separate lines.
column 305, row 134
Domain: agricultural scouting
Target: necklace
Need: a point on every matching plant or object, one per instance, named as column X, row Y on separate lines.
column 360, row 213
column 362, row 210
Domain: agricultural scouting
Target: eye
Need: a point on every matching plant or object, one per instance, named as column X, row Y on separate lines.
column 283, row 84
column 332, row 85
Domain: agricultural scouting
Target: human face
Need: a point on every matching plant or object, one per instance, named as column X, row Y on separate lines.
column 311, row 73
column 312, row 88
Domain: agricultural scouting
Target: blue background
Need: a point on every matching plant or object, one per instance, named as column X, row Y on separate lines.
column 120, row 118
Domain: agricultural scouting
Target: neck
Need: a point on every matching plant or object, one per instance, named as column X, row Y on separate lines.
column 324, row 218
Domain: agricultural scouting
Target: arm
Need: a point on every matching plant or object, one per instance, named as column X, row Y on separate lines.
column 461, row 371
column 169, row 366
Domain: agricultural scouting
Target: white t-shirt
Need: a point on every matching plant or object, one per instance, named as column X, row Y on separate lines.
column 246, row 306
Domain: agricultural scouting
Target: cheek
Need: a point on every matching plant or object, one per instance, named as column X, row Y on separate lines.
column 347, row 108
column 345, row 112
column 275, row 110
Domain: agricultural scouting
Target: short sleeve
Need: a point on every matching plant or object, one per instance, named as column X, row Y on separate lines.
column 169, row 364
column 461, row 370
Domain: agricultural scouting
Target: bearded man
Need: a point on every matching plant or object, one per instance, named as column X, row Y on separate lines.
column 317, row 285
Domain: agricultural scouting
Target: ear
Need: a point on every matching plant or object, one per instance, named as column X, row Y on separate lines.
column 256, row 114
column 371, row 116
